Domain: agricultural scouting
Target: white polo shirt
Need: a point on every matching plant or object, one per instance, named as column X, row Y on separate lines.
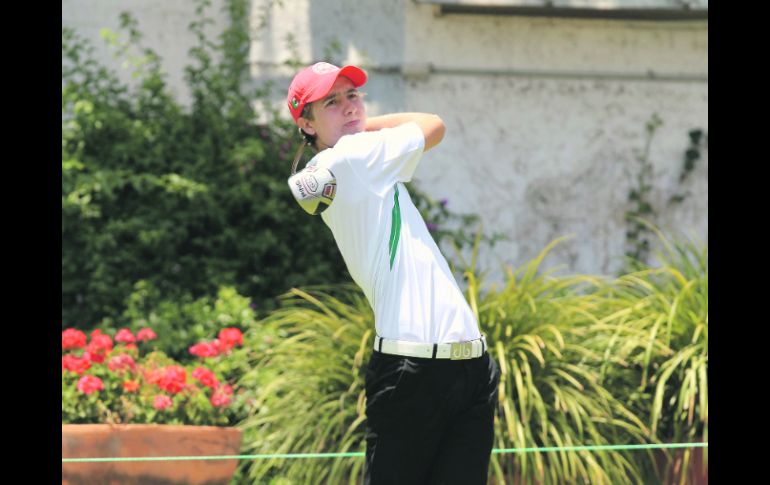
column 385, row 243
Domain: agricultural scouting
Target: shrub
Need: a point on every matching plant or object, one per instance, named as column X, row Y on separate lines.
column 549, row 396
column 652, row 332
column 185, row 320
column 187, row 200
column 310, row 381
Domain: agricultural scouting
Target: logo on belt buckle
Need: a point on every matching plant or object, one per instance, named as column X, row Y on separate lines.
column 461, row 350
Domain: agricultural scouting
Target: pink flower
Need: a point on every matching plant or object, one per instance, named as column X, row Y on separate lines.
column 230, row 337
column 146, row 334
column 130, row 386
column 91, row 357
column 120, row 363
column 72, row 339
column 124, row 335
column 218, row 346
column 222, row 396
column 206, row 377
column 162, row 402
column 172, row 379
column 89, row 384
column 205, row 349
column 78, row 365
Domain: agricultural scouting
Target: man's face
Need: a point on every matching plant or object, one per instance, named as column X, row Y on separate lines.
column 339, row 113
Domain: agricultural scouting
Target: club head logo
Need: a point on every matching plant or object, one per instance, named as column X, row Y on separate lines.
column 311, row 183
column 329, row 190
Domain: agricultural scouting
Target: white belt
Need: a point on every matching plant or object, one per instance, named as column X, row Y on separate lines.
column 455, row 351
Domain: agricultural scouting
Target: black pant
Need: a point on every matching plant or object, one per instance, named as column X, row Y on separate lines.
column 429, row 421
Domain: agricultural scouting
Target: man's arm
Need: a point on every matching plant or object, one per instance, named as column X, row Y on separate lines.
column 431, row 125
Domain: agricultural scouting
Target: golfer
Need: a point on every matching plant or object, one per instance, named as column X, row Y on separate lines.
column 431, row 385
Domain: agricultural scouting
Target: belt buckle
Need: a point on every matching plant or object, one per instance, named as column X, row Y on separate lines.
column 461, row 350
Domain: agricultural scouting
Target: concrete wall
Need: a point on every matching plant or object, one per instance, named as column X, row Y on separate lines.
column 163, row 24
column 545, row 116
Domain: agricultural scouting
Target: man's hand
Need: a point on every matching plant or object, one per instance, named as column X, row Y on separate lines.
column 431, row 125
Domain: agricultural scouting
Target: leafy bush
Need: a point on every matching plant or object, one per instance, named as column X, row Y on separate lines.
column 654, row 324
column 311, row 385
column 185, row 200
column 181, row 321
column 548, row 396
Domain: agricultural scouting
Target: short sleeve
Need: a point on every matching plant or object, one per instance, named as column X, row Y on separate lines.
column 386, row 156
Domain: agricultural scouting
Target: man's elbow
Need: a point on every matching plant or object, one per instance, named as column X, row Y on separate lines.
column 435, row 132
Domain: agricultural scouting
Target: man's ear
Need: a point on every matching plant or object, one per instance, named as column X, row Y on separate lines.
column 307, row 126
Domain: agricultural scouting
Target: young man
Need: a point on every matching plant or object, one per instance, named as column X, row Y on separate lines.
column 431, row 385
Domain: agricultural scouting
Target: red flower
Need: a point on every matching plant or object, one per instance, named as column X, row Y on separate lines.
column 124, row 335
column 89, row 384
column 78, row 365
column 230, row 337
column 206, row 349
column 99, row 346
column 206, row 377
column 130, row 386
column 153, row 376
column 222, row 396
column 172, row 379
column 92, row 357
column 120, row 363
column 72, row 339
column 162, row 402
column 146, row 334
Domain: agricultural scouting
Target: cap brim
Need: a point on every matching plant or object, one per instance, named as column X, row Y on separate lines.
column 356, row 75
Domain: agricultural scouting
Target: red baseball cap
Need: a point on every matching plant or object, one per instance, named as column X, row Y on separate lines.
column 315, row 82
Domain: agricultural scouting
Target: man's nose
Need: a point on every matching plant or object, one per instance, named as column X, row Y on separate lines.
column 350, row 107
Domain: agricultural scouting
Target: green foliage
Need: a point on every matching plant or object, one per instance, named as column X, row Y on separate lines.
column 311, row 394
column 698, row 143
column 636, row 235
column 180, row 323
column 655, row 324
column 642, row 211
column 186, row 200
column 548, row 395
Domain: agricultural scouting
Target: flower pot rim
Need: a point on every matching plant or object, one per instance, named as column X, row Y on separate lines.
column 137, row 426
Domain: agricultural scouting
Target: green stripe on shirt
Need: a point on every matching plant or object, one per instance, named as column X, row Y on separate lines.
column 395, row 228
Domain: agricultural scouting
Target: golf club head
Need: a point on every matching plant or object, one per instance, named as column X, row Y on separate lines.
column 313, row 188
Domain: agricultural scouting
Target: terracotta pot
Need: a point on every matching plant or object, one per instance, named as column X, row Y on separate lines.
column 144, row 440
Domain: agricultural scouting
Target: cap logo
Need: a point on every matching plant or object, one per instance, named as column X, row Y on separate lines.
column 324, row 68
column 294, row 102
